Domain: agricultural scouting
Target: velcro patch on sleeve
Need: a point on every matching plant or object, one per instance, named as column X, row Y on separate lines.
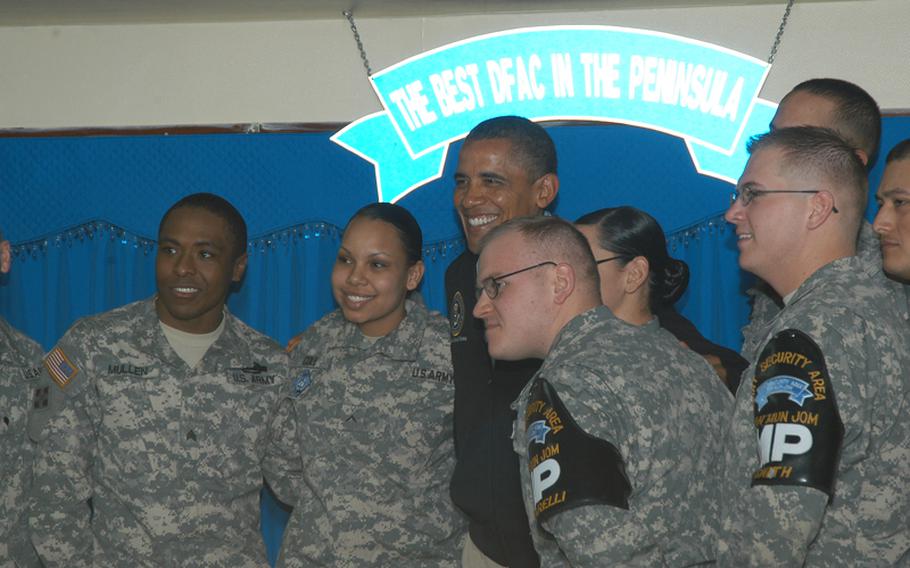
column 569, row 468
column 60, row 367
column 800, row 431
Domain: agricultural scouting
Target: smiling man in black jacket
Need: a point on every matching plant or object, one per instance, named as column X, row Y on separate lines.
column 506, row 169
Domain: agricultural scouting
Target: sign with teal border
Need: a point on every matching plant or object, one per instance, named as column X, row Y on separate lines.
column 703, row 93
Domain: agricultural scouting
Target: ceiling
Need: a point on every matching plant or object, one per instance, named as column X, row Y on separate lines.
column 82, row 12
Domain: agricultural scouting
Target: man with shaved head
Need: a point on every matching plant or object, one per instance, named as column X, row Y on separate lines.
column 816, row 467
column 854, row 115
column 619, row 432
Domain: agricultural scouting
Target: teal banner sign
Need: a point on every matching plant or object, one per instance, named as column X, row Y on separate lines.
column 705, row 94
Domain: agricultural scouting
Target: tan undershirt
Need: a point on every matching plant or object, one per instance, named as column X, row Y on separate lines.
column 191, row 347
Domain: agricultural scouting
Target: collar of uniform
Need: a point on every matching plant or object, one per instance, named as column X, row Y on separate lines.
column 846, row 269
column 402, row 344
column 221, row 356
column 581, row 325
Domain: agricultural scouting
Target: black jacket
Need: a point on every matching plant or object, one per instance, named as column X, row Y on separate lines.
column 486, row 483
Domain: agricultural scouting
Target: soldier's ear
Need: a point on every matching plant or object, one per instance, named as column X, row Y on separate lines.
column 563, row 283
column 239, row 267
column 823, row 206
column 415, row 275
column 636, row 273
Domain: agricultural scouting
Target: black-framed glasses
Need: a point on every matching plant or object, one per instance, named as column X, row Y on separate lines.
column 747, row 194
column 493, row 286
column 608, row 259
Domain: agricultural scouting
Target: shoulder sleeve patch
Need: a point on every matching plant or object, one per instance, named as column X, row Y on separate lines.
column 800, row 431
column 60, row 367
column 569, row 467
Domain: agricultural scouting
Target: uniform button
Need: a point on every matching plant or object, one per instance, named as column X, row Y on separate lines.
column 6, row 420
column 191, row 435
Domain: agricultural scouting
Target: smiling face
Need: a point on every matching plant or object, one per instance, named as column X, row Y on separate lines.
column 517, row 321
column 371, row 276
column 892, row 222
column 770, row 229
column 194, row 269
column 491, row 187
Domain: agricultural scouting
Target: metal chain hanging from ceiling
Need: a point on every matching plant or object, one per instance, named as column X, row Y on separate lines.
column 363, row 52
column 366, row 63
column 780, row 32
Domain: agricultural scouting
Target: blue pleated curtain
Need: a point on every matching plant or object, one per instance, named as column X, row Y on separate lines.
column 82, row 213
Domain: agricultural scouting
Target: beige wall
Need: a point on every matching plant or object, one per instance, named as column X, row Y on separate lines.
column 310, row 71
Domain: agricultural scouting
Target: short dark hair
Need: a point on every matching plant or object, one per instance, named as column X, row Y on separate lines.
column 221, row 207
column 557, row 240
column 858, row 119
column 630, row 232
column 900, row 152
column 530, row 142
column 405, row 225
column 822, row 152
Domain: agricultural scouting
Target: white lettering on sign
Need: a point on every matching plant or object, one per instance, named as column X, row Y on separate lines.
column 563, row 82
column 687, row 85
column 412, row 104
column 457, row 90
column 601, row 74
column 505, row 74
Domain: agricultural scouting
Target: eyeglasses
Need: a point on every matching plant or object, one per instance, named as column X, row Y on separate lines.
column 603, row 260
column 747, row 194
column 493, row 286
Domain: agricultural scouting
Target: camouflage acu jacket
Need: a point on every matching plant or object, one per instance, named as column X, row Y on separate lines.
column 19, row 361
column 143, row 461
column 372, row 420
column 834, row 359
column 633, row 403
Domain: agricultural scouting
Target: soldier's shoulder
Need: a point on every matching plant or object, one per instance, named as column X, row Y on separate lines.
column 21, row 347
column 117, row 322
column 436, row 340
column 255, row 339
column 321, row 336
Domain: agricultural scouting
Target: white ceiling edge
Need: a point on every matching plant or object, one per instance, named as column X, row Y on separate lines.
column 19, row 13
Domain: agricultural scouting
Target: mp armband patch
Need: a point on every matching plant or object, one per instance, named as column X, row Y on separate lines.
column 800, row 431
column 569, row 467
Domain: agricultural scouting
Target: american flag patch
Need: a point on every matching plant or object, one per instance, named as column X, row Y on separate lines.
column 60, row 368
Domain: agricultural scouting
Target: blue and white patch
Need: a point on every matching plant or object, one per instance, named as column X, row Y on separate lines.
column 537, row 432
column 301, row 383
column 797, row 390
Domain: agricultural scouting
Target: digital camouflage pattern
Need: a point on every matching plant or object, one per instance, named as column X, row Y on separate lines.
column 764, row 307
column 19, row 361
column 663, row 408
column 374, row 427
column 170, row 457
column 857, row 325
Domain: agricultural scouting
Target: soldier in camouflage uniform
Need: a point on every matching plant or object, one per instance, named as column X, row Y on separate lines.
column 816, row 462
column 155, row 458
column 619, row 431
column 372, row 403
column 854, row 115
column 19, row 360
